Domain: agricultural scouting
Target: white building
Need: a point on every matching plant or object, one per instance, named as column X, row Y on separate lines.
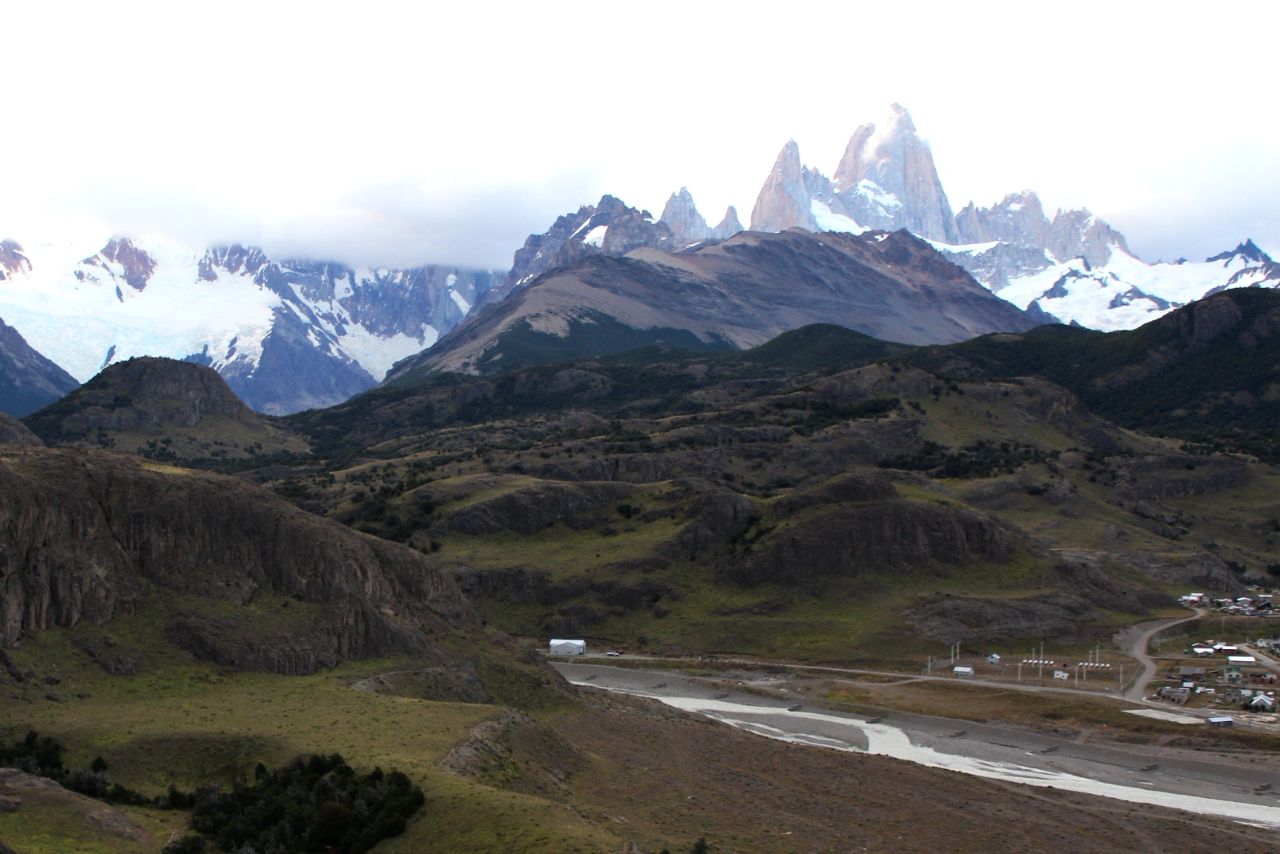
column 562, row 646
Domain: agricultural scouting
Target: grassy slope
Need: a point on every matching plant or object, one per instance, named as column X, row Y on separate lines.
column 186, row 722
column 854, row 620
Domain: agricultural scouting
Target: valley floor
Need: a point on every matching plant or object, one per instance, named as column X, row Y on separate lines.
column 1222, row 782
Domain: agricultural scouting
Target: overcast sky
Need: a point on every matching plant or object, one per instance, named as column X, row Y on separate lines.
column 371, row 133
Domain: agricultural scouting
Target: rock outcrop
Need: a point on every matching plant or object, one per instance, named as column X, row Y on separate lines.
column 243, row 578
column 784, row 200
column 682, row 217
column 853, row 539
column 12, row 260
column 729, row 226
column 607, row 228
column 122, row 259
column 887, row 179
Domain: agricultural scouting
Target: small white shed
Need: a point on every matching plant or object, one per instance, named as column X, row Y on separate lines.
column 563, row 646
column 965, row 672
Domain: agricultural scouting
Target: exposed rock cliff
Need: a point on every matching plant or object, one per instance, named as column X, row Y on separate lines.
column 88, row 536
column 891, row 160
column 607, row 228
column 851, row 539
column 784, row 201
column 729, row 226
column 682, row 217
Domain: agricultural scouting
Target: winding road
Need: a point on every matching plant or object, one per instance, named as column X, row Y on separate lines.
column 1136, row 640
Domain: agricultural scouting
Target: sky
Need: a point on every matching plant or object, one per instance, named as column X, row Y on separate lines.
column 390, row 134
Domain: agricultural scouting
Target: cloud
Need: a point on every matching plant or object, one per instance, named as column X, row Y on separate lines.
column 404, row 224
column 407, row 133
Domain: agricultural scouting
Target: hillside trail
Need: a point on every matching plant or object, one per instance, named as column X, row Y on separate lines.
column 1135, row 641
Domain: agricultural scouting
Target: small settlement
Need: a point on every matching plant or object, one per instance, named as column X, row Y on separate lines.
column 1257, row 604
column 1226, row 675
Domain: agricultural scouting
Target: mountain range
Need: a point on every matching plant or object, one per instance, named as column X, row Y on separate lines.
column 289, row 335
column 1073, row 266
column 732, row 294
column 286, row 335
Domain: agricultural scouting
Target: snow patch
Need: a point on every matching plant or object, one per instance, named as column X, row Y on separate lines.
column 595, row 237
column 459, row 300
column 828, row 220
column 874, row 193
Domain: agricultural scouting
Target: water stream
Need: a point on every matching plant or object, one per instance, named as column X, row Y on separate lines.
column 883, row 740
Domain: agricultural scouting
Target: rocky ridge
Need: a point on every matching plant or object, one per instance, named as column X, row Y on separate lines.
column 609, row 227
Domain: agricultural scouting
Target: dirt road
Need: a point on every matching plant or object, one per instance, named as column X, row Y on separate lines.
column 1135, row 641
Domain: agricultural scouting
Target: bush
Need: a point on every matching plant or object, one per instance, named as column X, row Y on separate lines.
column 315, row 803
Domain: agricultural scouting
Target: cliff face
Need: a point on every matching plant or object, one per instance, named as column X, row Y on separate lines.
column 852, row 539
column 783, row 201
column 87, row 535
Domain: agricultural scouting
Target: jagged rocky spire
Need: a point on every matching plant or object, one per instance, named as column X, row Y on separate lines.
column 887, row 179
column 682, row 217
column 783, row 201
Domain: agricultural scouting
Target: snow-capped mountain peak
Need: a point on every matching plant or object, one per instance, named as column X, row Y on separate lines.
column 1246, row 252
column 286, row 335
column 1073, row 266
column 885, row 180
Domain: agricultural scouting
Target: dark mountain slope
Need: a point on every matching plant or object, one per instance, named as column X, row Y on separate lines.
column 1208, row 372
column 163, row 409
column 738, row 293
column 28, row 380
column 650, row 378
